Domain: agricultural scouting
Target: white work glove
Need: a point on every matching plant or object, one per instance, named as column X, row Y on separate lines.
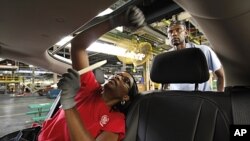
column 69, row 84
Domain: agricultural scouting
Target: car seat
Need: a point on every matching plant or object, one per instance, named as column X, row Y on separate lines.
column 163, row 115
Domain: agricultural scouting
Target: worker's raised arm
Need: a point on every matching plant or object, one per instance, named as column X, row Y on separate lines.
column 130, row 18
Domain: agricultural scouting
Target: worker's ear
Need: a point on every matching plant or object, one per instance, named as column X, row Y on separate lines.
column 186, row 33
column 125, row 98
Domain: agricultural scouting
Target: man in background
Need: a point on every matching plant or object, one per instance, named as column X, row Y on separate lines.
column 178, row 34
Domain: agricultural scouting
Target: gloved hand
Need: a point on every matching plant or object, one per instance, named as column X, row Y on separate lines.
column 132, row 18
column 69, row 84
column 135, row 17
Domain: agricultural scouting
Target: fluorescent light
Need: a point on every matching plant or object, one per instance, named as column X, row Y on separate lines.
column 102, row 48
column 106, row 49
column 119, row 28
column 114, row 50
column 64, row 40
column 36, row 72
column 105, row 12
column 8, row 67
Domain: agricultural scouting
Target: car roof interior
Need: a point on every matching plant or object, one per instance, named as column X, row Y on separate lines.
column 34, row 33
column 155, row 115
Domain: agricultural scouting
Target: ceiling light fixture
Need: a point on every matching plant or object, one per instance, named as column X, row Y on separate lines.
column 105, row 12
column 64, row 40
column 103, row 48
column 114, row 50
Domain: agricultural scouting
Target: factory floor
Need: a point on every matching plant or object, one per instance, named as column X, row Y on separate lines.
column 13, row 110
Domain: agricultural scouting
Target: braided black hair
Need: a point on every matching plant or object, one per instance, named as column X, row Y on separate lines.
column 132, row 94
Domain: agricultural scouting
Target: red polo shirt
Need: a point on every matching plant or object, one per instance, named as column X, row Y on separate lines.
column 94, row 112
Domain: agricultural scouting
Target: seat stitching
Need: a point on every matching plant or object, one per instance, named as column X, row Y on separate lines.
column 197, row 120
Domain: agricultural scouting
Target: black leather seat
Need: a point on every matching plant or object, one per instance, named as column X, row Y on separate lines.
column 162, row 115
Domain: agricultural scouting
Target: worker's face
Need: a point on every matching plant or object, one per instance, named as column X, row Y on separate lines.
column 119, row 85
column 177, row 34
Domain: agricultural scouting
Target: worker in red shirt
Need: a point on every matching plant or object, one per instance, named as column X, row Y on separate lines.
column 91, row 111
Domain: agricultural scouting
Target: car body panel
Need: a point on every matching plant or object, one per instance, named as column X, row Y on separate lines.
column 29, row 28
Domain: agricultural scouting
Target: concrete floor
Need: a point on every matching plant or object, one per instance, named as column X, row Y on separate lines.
column 13, row 109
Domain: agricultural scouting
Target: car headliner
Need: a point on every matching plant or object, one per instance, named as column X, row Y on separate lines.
column 28, row 28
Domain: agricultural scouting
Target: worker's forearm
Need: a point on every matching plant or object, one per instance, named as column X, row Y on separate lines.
column 220, row 79
column 220, row 85
column 76, row 128
column 85, row 38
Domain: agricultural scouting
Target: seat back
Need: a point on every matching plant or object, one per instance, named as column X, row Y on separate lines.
column 162, row 115
column 189, row 67
column 179, row 116
column 240, row 97
column 185, row 66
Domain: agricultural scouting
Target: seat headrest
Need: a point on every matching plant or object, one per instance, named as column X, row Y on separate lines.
column 184, row 66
